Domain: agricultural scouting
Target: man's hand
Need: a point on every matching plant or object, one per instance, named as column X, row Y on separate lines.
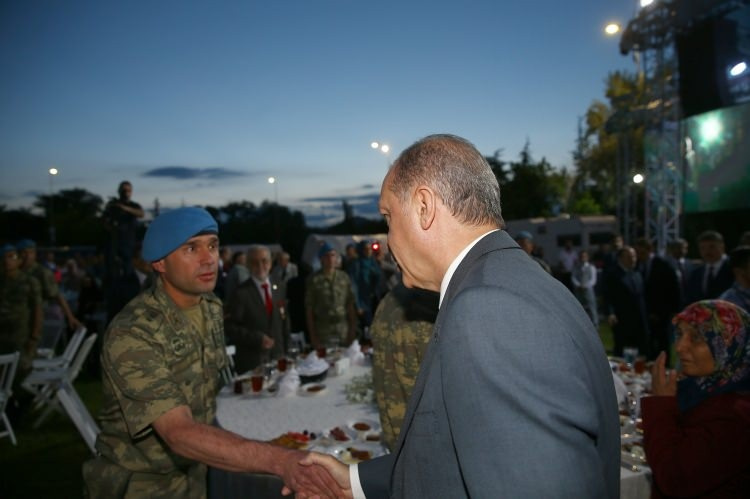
column 302, row 476
column 267, row 342
column 663, row 381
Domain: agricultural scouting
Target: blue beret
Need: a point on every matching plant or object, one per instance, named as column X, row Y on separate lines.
column 6, row 248
column 524, row 234
column 324, row 249
column 25, row 243
column 170, row 230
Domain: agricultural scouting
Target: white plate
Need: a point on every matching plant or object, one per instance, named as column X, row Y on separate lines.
column 362, row 426
column 311, row 389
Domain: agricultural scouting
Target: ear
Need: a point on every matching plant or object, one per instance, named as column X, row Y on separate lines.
column 158, row 266
column 425, row 201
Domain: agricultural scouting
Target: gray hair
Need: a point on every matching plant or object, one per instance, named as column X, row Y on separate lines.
column 256, row 248
column 456, row 171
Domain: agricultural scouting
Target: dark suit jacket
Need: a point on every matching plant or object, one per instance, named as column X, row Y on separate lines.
column 624, row 296
column 722, row 281
column 246, row 321
column 514, row 396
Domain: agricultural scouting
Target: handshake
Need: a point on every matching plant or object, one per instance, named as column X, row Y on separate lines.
column 312, row 475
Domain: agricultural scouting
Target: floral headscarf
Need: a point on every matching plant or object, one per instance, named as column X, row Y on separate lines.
column 725, row 328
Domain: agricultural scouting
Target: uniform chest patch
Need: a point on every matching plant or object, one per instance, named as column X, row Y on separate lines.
column 179, row 346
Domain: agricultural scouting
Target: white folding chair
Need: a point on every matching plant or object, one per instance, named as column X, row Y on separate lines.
column 228, row 373
column 68, row 354
column 298, row 340
column 78, row 413
column 48, row 381
column 52, row 331
column 8, row 365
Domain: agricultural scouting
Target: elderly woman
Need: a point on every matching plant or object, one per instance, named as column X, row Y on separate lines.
column 697, row 429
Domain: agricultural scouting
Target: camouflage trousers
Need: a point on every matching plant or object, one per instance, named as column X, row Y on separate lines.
column 105, row 479
column 327, row 330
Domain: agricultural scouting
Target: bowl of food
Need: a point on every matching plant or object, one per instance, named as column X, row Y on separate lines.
column 312, row 378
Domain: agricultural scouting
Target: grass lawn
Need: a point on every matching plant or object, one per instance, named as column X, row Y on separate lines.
column 47, row 462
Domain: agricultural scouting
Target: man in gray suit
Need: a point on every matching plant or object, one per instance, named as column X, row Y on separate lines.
column 514, row 397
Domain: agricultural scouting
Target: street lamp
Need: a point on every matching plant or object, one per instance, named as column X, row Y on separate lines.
column 612, row 28
column 274, row 181
column 385, row 149
column 277, row 231
column 52, row 172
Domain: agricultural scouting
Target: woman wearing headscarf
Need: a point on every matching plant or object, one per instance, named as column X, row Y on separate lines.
column 697, row 429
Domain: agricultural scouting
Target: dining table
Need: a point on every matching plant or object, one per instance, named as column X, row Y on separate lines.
column 267, row 415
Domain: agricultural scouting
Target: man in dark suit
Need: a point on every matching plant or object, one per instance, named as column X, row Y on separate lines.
column 514, row 396
column 714, row 275
column 662, row 296
column 256, row 321
column 624, row 301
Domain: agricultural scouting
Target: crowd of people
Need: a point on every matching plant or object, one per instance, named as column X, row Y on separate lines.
column 478, row 347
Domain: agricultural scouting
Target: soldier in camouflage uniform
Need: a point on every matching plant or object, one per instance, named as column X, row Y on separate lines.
column 20, row 312
column 329, row 302
column 161, row 362
column 54, row 302
column 401, row 330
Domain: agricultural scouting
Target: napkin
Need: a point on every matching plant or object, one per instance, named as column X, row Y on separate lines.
column 289, row 383
column 311, row 365
column 354, row 352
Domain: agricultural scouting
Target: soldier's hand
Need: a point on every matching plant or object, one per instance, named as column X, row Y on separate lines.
column 306, row 479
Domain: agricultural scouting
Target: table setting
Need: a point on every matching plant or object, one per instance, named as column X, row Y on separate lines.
column 632, row 380
column 322, row 401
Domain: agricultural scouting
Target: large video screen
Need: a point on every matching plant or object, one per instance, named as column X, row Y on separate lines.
column 717, row 158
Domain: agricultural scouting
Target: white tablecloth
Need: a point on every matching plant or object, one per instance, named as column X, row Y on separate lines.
column 265, row 417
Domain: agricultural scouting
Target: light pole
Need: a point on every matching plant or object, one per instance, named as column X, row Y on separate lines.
column 52, row 172
column 275, row 182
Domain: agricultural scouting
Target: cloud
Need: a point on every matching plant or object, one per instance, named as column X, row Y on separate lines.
column 188, row 173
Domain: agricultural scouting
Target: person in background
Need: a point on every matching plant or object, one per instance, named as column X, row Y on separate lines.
column 366, row 276
column 739, row 293
column 677, row 252
column 255, row 315
column 713, row 276
column 526, row 241
column 584, row 281
column 54, row 306
column 329, row 302
column 284, row 270
column 624, row 301
column 20, row 313
column 696, row 430
column 503, row 405
column 745, row 239
column 238, row 274
column 121, row 218
column 568, row 258
column 401, row 330
column 661, row 295
column 161, row 363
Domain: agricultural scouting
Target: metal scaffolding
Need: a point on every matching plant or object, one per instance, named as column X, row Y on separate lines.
column 650, row 36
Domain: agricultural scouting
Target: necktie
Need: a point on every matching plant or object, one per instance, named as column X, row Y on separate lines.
column 709, row 277
column 267, row 297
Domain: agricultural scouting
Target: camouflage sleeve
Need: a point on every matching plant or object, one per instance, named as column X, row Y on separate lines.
column 35, row 294
column 137, row 367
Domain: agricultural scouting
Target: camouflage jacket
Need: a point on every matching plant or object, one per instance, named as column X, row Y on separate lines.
column 153, row 360
column 401, row 330
column 46, row 279
column 329, row 297
column 19, row 299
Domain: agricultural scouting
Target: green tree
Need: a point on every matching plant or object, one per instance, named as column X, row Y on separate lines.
column 530, row 188
column 75, row 215
column 613, row 134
